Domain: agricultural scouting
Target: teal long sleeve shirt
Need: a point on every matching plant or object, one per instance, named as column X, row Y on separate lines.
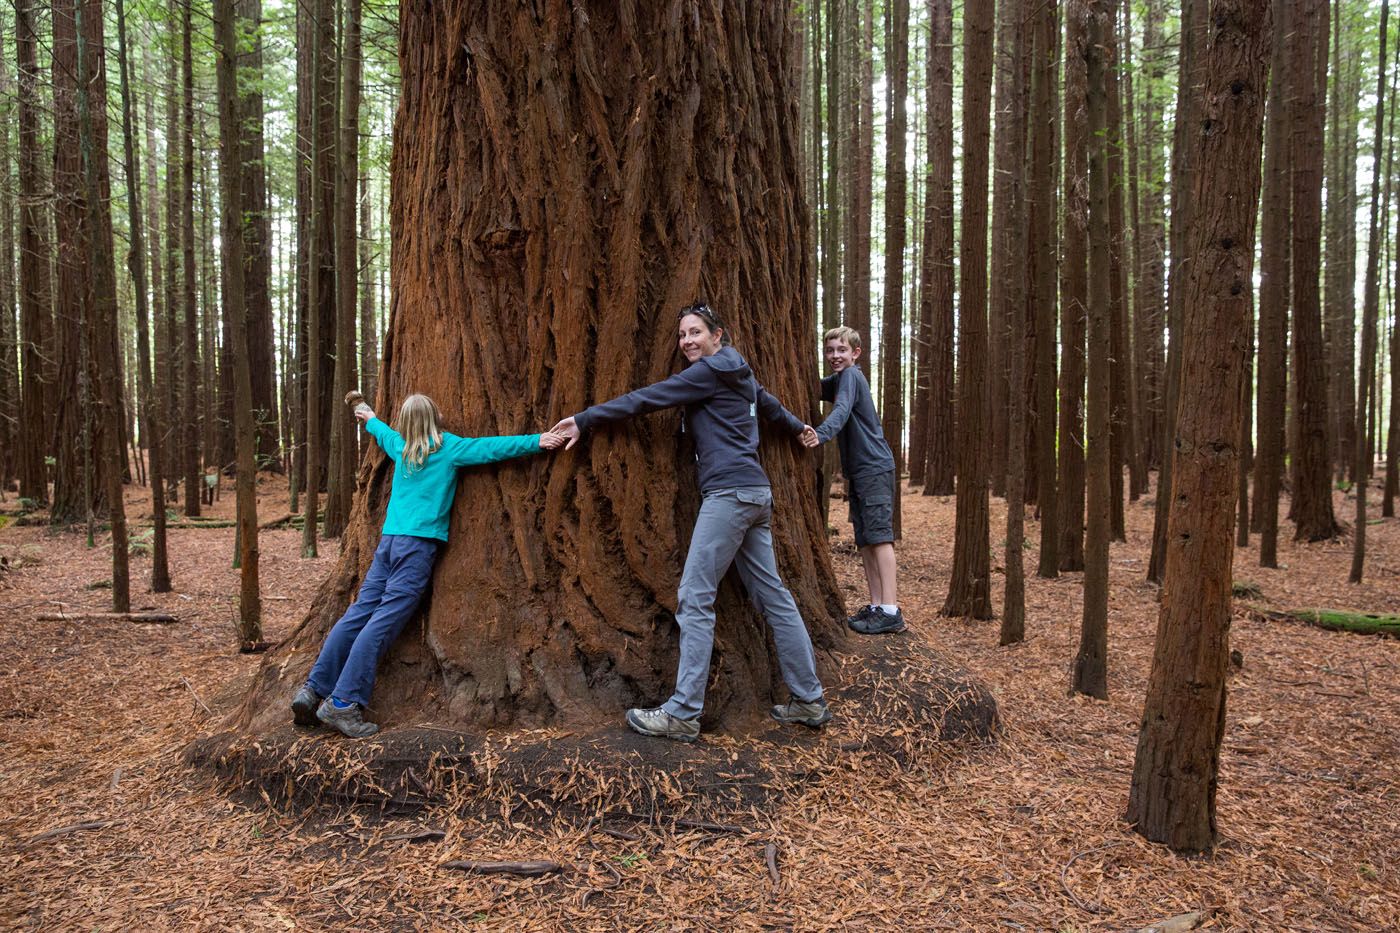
column 420, row 503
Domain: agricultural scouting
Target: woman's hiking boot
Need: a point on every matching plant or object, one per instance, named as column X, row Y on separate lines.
column 814, row 714
column 661, row 724
column 349, row 721
column 304, row 706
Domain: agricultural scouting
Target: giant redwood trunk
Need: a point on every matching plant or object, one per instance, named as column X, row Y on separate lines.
column 564, row 179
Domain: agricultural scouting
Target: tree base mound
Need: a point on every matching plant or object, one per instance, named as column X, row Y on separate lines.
column 897, row 699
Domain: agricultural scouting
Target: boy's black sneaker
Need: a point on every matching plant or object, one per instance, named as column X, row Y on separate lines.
column 304, row 706
column 349, row 721
column 880, row 622
column 860, row 616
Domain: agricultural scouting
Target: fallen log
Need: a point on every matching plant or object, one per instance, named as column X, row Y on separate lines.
column 142, row 617
column 528, row 869
column 1338, row 620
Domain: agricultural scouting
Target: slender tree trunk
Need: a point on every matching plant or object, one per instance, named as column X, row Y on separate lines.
column 836, row 154
column 369, row 331
column 1074, row 285
column 920, row 409
column 1370, row 310
column 861, row 110
column 1193, row 19
column 34, row 255
column 1274, row 270
column 1137, row 460
column 316, row 224
column 1041, row 166
column 344, row 444
column 892, row 383
column 1312, row 492
column 234, row 229
column 1005, row 177
column 1392, row 437
column 101, row 298
column 938, row 251
column 1091, row 664
column 1120, row 423
column 190, row 398
column 151, row 428
column 1151, row 262
column 1175, row 774
column 969, row 586
column 9, row 360
column 173, row 362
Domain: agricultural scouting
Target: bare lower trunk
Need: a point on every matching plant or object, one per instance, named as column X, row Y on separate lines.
column 1175, row 774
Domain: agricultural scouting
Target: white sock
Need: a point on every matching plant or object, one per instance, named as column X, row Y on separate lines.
column 874, row 605
column 888, row 609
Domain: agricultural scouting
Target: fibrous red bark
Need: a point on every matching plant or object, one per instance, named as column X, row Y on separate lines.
column 564, row 179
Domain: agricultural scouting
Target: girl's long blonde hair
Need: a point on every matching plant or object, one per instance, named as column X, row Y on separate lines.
column 419, row 422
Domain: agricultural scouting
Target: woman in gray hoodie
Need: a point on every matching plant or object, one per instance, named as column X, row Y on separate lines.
column 722, row 403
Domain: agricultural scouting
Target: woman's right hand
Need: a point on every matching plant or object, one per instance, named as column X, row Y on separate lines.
column 568, row 428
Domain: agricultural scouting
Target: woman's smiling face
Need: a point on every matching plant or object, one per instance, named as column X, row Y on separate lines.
column 696, row 338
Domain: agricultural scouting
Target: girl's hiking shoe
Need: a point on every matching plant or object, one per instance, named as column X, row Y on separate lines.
column 880, row 622
column 661, row 724
column 815, row 714
column 860, row 616
column 348, row 722
column 304, row 706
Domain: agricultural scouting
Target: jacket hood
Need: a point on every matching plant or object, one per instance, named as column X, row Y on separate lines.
column 728, row 364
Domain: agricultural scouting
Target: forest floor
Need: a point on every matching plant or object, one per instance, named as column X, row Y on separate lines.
column 1024, row 834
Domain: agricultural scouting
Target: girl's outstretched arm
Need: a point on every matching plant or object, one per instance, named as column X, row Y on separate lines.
column 386, row 437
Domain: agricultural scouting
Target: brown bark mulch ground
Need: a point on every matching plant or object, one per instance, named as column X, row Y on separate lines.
column 103, row 826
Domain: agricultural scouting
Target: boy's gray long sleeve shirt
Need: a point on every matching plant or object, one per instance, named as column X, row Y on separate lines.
column 855, row 424
column 722, row 403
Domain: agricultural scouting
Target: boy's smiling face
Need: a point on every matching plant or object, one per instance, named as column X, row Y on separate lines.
column 840, row 354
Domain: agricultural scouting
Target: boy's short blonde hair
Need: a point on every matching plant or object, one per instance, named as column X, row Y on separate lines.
column 848, row 334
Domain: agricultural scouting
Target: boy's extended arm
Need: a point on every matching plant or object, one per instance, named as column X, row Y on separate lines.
column 474, row 451
column 386, row 437
column 772, row 410
column 841, row 411
column 692, row 384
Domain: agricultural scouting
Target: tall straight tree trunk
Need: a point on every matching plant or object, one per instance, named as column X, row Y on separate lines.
column 1091, row 663
column 1274, row 270
column 1120, row 355
column 1041, row 165
column 861, row 110
column 1339, row 294
column 174, row 410
column 969, row 586
column 1370, row 310
column 257, row 257
column 369, row 330
column 1312, row 492
column 9, row 331
column 101, row 298
column 891, row 383
column 190, row 398
column 35, row 332
column 938, row 251
column 151, row 428
column 1392, row 435
column 1151, row 261
column 1139, row 233
column 1175, row 774
column 922, row 298
column 514, row 565
column 234, row 228
column 1074, row 286
column 836, row 155
column 344, row 445
column 1193, row 19
column 79, row 435
column 1005, row 177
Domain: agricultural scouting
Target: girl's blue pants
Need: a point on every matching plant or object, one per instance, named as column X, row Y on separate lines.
column 397, row 579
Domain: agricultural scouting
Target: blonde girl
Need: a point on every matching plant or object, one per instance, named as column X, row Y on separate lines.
column 426, row 459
